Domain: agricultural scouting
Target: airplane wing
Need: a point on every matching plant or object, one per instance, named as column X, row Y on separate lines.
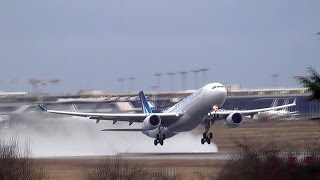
column 167, row 118
column 250, row 112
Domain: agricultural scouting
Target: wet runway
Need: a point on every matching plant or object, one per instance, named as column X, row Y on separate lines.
column 182, row 156
column 159, row 156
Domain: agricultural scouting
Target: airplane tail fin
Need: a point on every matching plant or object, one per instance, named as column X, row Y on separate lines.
column 294, row 101
column 145, row 105
column 274, row 103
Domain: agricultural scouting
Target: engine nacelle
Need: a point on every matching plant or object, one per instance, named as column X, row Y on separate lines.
column 151, row 122
column 234, row 119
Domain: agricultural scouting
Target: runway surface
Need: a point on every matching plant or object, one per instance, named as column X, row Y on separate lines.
column 159, row 156
column 175, row 156
column 182, row 156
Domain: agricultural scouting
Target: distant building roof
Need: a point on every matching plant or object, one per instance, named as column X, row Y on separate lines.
column 100, row 99
column 268, row 91
column 3, row 93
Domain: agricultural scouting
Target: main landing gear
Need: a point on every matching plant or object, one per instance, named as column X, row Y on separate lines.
column 206, row 137
column 159, row 139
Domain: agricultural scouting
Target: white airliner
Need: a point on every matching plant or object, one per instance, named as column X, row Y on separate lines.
column 201, row 107
column 272, row 114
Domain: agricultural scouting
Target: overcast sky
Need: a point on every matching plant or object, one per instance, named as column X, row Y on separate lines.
column 90, row 44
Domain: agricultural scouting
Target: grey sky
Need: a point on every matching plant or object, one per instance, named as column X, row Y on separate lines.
column 92, row 43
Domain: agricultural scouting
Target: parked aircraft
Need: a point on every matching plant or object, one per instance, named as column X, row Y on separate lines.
column 284, row 112
column 201, row 107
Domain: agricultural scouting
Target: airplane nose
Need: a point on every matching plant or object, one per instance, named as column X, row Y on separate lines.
column 225, row 91
column 222, row 94
column 221, row 91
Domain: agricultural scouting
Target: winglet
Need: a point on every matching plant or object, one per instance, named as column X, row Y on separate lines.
column 42, row 108
column 145, row 105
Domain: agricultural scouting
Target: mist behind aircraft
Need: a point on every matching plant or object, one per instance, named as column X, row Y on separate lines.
column 78, row 137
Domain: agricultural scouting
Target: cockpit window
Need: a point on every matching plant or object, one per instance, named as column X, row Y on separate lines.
column 217, row 87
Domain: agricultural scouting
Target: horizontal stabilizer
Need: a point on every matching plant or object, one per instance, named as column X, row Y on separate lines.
column 124, row 130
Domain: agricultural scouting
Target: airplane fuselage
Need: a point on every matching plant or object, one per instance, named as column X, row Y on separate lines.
column 195, row 108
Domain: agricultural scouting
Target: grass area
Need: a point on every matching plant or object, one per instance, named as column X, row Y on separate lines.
column 75, row 169
column 298, row 133
column 271, row 160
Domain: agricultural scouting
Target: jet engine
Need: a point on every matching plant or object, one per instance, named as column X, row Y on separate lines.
column 151, row 122
column 234, row 120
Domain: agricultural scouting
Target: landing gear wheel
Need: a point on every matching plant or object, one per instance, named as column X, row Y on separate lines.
column 161, row 142
column 207, row 123
column 202, row 141
column 204, row 135
column 210, row 135
column 160, row 137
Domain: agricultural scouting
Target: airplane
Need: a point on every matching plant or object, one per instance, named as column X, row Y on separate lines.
column 201, row 107
column 276, row 113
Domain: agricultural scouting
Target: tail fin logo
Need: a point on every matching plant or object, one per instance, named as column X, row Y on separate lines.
column 145, row 105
